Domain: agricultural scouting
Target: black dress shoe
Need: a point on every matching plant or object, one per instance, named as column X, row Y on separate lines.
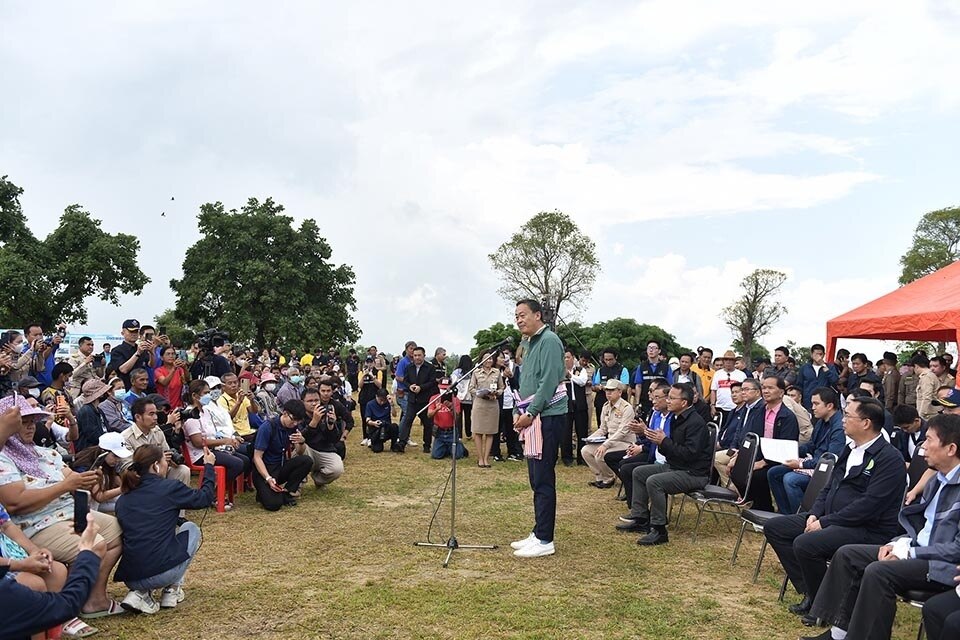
column 568, row 463
column 801, row 607
column 826, row 635
column 657, row 535
column 635, row 526
column 604, row 485
column 592, row 483
column 812, row 621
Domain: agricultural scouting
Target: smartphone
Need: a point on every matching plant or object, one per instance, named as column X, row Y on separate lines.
column 161, row 330
column 81, row 507
column 99, row 461
column 61, row 402
column 245, row 385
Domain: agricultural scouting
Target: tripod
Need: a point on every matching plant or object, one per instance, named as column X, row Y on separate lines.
column 452, row 544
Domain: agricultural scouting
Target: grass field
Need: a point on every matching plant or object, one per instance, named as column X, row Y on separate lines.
column 342, row 564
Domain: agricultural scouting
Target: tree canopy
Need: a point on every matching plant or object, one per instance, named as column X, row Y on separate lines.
column 754, row 313
column 54, row 276
column 936, row 243
column 265, row 282
column 548, row 258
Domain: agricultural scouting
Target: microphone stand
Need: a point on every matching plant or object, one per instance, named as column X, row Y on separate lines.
column 452, row 544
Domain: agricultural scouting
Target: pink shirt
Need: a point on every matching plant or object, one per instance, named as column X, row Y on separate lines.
column 768, row 419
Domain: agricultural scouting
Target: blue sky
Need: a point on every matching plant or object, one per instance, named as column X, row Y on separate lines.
column 694, row 141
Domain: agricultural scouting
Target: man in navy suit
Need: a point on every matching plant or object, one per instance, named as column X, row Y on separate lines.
column 858, row 506
column 775, row 420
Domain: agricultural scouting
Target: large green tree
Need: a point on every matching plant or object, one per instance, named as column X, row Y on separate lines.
column 49, row 280
column 753, row 314
column 936, row 243
column 267, row 283
column 548, row 258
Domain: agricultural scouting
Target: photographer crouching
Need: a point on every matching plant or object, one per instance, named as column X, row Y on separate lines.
column 379, row 423
column 324, row 433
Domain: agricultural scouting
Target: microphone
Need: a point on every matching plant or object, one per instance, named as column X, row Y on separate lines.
column 506, row 342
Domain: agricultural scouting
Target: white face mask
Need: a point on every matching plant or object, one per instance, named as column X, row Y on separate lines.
column 270, row 387
column 35, row 392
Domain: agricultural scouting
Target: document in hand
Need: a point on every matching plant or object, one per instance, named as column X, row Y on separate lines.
column 776, row 450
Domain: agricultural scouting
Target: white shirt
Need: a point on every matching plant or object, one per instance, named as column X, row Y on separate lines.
column 855, row 459
column 721, row 384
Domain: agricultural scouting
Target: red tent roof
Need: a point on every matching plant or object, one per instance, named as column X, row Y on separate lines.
column 926, row 309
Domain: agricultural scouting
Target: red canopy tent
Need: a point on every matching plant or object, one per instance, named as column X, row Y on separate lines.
column 927, row 309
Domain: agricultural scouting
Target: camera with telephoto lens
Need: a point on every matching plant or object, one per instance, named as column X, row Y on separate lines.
column 189, row 413
column 99, row 359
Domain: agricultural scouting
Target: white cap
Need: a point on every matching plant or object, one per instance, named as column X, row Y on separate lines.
column 213, row 381
column 114, row 443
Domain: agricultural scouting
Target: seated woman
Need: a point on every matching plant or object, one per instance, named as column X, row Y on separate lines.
column 105, row 457
column 36, row 489
column 200, row 433
column 157, row 553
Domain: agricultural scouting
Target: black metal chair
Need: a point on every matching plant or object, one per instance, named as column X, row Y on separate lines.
column 757, row 519
column 713, row 498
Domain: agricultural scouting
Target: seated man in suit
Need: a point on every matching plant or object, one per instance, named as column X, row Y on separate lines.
column 778, row 422
column 741, row 421
column 909, row 431
column 858, row 505
column 644, row 451
column 859, row 592
column 789, row 480
column 687, row 457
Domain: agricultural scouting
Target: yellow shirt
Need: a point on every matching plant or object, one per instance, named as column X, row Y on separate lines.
column 307, row 359
column 241, row 420
column 706, row 377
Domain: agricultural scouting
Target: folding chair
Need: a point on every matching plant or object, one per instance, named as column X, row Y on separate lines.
column 713, row 497
column 916, row 598
column 757, row 519
column 223, row 491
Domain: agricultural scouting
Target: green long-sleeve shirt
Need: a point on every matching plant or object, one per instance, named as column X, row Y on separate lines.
column 542, row 371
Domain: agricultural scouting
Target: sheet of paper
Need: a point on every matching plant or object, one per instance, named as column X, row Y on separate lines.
column 779, row 450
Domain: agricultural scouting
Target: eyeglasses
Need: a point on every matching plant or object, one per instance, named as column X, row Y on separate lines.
column 851, row 416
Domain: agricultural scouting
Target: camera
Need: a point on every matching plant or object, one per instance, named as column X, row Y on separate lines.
column 99, row 359
column 211, row 339
column 189, row 413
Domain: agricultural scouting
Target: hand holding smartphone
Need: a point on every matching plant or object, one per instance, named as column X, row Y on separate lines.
column 81, row 507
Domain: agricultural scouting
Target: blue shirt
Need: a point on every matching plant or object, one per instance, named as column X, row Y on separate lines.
column 376, row 411
column 659, row 421
column 272, row 440
column 624, row 377
column 402, row 371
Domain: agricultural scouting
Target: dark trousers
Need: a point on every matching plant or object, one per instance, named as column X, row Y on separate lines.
column 464, row 421
column 289, row 474
column 543, row 479
column 941, row 616
column 367, row 393
column 804, row 556
column 759, row 492
column 859, row 593
column 599, row 400
column 384, row 433
column 508, row 435
column 413, row 407
column 235, row 464
column 625, row 469
column 576, row 423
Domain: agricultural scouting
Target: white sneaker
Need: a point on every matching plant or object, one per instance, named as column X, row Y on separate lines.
column 365, row 442
column 140, row 601
column 535, row 550
column 520, row 544
column 412, row 443
column 171, row 597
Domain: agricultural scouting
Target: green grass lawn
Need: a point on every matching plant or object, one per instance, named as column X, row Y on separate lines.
column 342, row 564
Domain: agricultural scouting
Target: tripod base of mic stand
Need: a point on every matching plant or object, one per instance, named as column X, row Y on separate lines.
column 452, row 545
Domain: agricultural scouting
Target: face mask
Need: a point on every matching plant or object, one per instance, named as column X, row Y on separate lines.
column 296, row 379
column 120, row 394
column 270, row 387
column 206, row 399
column 35, row 392
column 215, row 394
column 190, row 357
column 241, row 362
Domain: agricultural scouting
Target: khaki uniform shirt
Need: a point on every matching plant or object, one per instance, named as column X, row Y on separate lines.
column 136, row 438
column 615, row 422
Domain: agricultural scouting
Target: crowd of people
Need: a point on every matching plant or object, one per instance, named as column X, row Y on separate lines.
column 125, row 425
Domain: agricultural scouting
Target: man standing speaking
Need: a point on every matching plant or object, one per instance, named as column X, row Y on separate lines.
column 541, row 381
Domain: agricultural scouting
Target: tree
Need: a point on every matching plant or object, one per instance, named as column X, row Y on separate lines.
column 180, row 334
column 266, row 283
column 800, row 354
column 936, row 243
column 486, row 338
column 755, row 312
column 548, row 258
column 54, row 277
column 757, row 351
